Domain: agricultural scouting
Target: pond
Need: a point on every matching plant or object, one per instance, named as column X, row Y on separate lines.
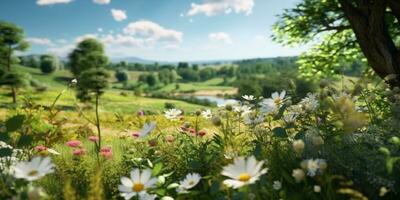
column 216, row 99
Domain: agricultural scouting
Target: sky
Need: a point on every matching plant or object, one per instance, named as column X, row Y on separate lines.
column 161, row 30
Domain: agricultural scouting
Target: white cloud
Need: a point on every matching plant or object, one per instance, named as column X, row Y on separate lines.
column 50, row 2
column 152, row 32
column 62, row 41
column 214, row 7
column 102, row 1
column 220, row 37
column 61, row 51
column 119, row 15
column 40, row 41
column 100, row 29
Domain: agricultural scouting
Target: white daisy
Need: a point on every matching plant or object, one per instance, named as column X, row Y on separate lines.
column 309, row 103
column 206, row 114
column 189, row 182
column 146, row 196
column 249, row 97
column 147, row 128
column 298, row 175
column 243, row 171
column 37, row 168
column 314, row 166
column 242, row 109
column 74, row 81
column 172, row 114
column 137, row 184
column 274, row 103
column 277, row 185
column 253, row 119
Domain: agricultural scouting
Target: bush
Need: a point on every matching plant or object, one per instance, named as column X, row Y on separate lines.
column 48, row 64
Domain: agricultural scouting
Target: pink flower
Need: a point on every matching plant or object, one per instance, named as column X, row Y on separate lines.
column 79, row 152
column 153, row 142
column 201, row 133
column 136, row 134
column 93, row 138
column 40, row 148
column 106, row 152
column 74, row 143
column 140, row 113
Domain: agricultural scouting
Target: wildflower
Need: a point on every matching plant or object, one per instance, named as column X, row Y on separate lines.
column 242, row 110
column 317, row 188
column 140, row 113
column 152, row 142
column 44, row 150
column 78, row 152
column 202, row 133
column 277, row 185
column 189, row 182
column 172, row 114
column 37, row 168
column 216, row 121
column 314, row 166
column 243, row 171
column 146, row 196
column 138, row 183
column 74, row 81
column 93, row 138
column 290, row 117
column 383, row 191
column 253, row 119
column 274, row 103
column 248, row 97
column 74, row 143
column 206, row 114
column 298, row 146
column 298, row 175
column 106, row 152
column 147, row 128
column 167, row 198
column 309, row 103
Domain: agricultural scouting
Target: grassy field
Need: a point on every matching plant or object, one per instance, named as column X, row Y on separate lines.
column 112, row 100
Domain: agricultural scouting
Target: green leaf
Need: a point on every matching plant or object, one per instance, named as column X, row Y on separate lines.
column 4, row 152
column 14, row 123
column 25, row 140
column 157, row 169
column 279, row 132
column 4, row 137
column 300, row 135
column 161, row 192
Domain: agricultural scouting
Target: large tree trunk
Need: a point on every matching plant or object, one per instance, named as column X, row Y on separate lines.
column 367, row 19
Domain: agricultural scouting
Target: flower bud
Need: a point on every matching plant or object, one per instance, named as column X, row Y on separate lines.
column 216, row 121
column 298, row 146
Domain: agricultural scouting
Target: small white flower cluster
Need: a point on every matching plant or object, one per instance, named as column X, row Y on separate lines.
column 7, row 161
column 172, row 114
column 314, row 166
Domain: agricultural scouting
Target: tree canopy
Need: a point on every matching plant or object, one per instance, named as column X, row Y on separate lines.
column 342, row 31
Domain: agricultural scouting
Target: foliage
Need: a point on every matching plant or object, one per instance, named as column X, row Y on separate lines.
column 122, row 76
column 48, row 64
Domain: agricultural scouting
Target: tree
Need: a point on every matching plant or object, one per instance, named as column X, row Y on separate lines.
column 122, row 76
column 48, row 64
column 151, row 80
column 88, row 62
column 11, row 40
column 345, row 30
column 88, row 54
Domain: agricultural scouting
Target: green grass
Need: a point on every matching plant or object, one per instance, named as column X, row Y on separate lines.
column 112, row 100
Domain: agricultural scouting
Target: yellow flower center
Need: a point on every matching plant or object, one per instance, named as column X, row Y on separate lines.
column 191, row 182
column 244, row 177
column 137, row 187
column 33, row 173
column 278, row 101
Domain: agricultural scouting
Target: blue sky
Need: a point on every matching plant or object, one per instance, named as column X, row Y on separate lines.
column 164, row 30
